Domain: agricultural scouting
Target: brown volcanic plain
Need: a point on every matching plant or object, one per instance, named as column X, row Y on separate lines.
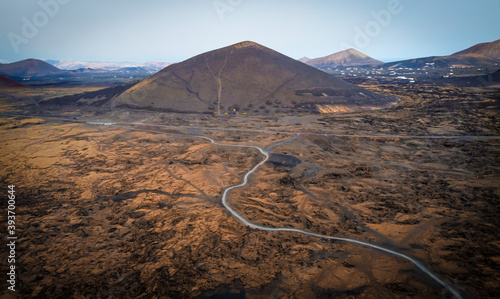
column 127, row 203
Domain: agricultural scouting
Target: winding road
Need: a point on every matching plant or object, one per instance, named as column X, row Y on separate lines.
column 266, row 154
column 253, row 225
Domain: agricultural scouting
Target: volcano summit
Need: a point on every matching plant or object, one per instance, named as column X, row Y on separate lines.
column 245, row 77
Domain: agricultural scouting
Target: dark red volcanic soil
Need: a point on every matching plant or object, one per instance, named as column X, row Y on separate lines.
column 7, row 82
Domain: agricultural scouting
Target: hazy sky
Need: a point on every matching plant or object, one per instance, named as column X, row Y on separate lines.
column 172, row 31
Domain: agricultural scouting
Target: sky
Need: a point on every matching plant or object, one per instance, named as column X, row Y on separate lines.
column 173, row 31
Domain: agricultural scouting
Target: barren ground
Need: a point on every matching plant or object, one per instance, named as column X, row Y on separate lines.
column 134, row 208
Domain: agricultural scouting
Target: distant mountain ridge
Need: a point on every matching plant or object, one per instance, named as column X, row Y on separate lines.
column 74, row 65
column 480, row 55
column 346, row 58
column 28, row 67
column 36, row 71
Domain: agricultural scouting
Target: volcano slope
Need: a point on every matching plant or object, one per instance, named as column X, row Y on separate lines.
column 6, row 82
column 346, row 58
column 246, row 77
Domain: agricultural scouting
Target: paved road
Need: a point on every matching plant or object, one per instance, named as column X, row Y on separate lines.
column 298, row 133
column 253, row 225
column 266, row 154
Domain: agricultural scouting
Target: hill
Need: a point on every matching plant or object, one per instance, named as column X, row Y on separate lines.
column 244, row 77
column 7, row 82
column 347, row 58
column 468, row 60
column 304, row 59
column 28, row 67
column 491, row 49
column 480, row 55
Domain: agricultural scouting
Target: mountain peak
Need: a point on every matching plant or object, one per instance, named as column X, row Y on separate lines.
column 355, row 52
column 304, row 59
column 246, row 44
column 346, row 58
column 243, row 77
